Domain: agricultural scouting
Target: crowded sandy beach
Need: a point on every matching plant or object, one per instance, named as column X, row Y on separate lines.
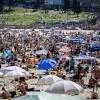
column 49, row 64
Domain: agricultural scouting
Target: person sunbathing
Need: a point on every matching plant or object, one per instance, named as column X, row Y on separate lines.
column 6, row 94
column 94, row 95
column 21, row 89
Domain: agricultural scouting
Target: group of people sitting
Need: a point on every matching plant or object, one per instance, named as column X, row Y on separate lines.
column 21, row 89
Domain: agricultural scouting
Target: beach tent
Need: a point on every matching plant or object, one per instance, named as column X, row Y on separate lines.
column 65, row 87
column 47, row 64
column 48, row 80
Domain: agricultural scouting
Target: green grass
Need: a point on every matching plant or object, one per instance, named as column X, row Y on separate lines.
column 27, row 17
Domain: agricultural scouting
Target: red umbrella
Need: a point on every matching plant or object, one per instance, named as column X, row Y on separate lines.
column 65, row 58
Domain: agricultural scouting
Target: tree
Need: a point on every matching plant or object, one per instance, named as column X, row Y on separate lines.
column 38, row 3
column 66, row 4
column 1, row 5
column 76, row 7
column 10, row 4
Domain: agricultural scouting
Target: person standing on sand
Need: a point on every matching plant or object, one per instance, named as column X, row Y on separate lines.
column 72, row 64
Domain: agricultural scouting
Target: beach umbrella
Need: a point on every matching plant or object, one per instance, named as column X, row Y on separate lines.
column 15, row 74
column 94, row 46
column 64, row 49
column 76, row 39
column 85, row 58
column 67, row 38
column 7, row 53
column 79, row 40
column 12, row 68
column 47, row 64
column 61, row 43
column 48, row 96
column 83, row 53
column 65, row 87
column 40, row 52
column 48, row 80
column 65, row 58
column 96, row 37
column 1, row 74
column 83, row 42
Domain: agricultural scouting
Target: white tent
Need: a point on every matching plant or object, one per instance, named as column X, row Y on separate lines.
column 65, row 87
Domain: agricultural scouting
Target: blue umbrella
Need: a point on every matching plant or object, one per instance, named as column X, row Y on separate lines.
column 96, row 37
column 94, row 46
column 83, row 53
column 79, row 40
column 47, row 64
column 83, row 42
column 7, row 53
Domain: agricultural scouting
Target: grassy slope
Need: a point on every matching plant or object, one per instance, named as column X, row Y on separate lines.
column 26, row 16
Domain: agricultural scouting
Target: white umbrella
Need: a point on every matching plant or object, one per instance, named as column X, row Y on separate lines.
column 12, row 68
column 15, row 74
column 48, row 80
column 85, row 58
column 1, row 74
column 65, row 87
column 48, row 96
column 40, row 52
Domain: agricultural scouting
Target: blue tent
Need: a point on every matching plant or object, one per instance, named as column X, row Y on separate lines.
column 47, row 64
